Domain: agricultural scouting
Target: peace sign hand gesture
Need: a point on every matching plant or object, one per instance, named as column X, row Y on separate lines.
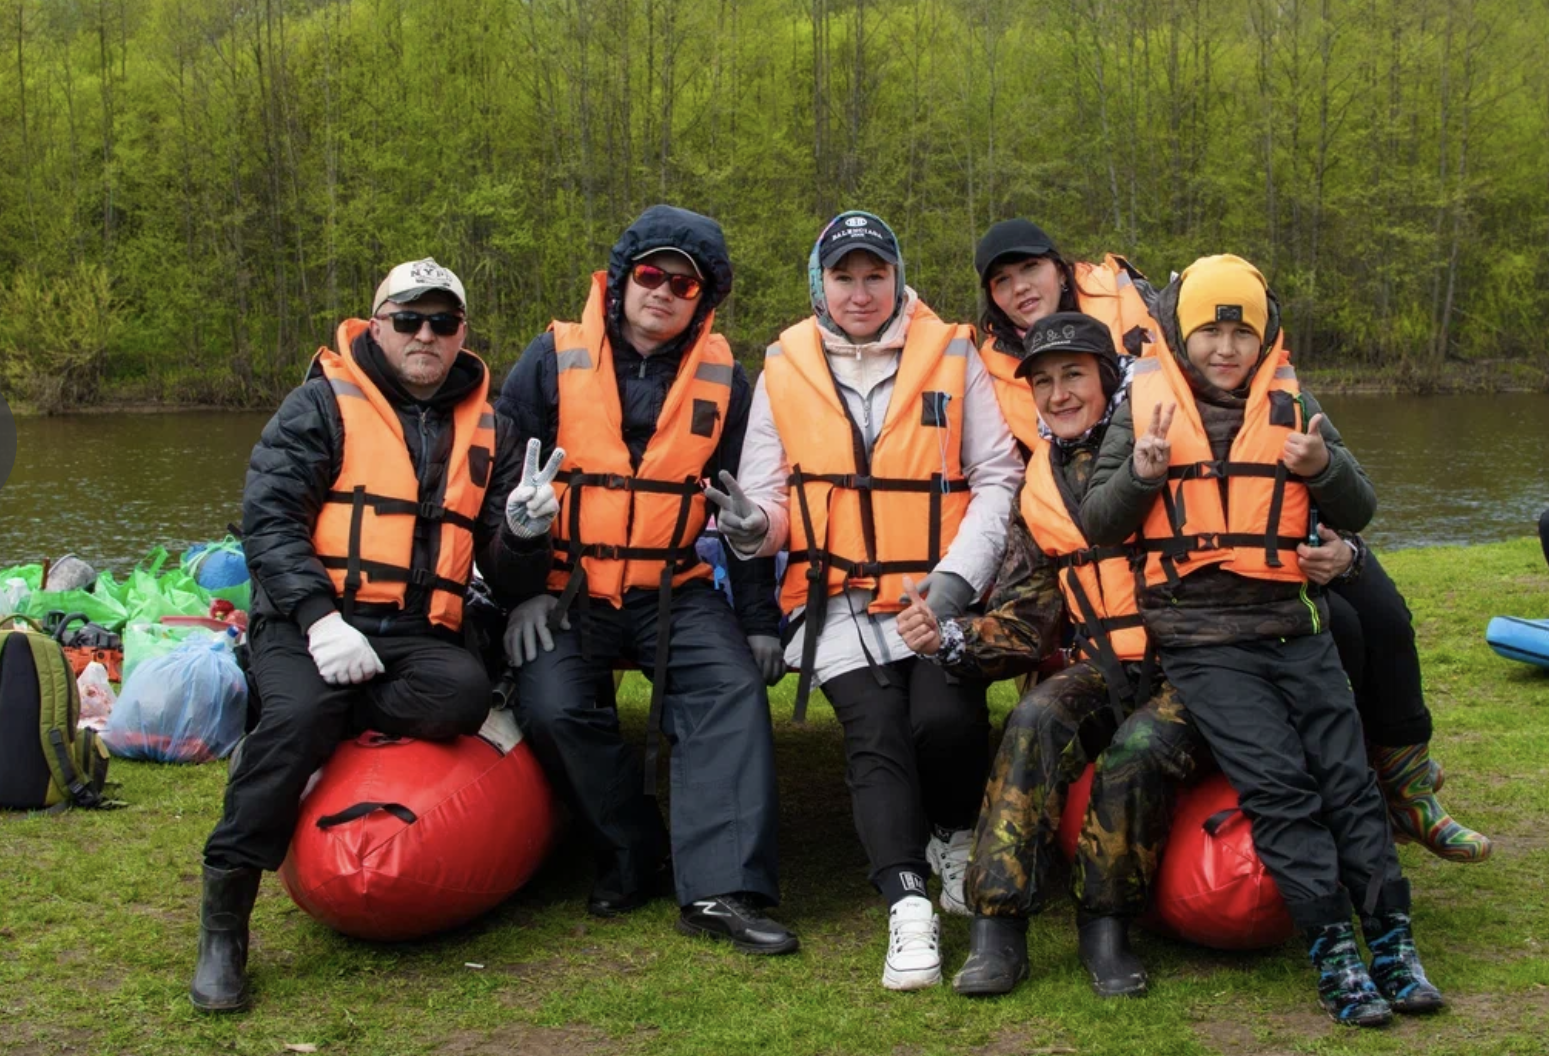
column 737, row 516
column 1152, row 448
column 532, row 504
column 1306, row 454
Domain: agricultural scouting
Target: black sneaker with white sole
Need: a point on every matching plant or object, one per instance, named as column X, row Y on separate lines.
column 733, row 919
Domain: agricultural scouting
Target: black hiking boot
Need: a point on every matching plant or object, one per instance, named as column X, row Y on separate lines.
column 220, row 976
column 1347, row 992
column 1396, row 965
column 731, row 918
column 997, row 957
column 1103, row 944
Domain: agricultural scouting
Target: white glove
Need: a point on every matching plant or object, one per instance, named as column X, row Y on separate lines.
column 527, row 629
column 532, row 504
column 341, row 653
column 738, row 516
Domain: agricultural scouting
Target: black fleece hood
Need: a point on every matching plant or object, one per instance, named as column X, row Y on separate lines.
column 1165, row 312
column 668, row 227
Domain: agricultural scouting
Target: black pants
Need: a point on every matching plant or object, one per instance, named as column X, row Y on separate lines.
column 916, row 755
column 715, row 716
column 1281, row 720
column 1376, row 639
column 432, row 689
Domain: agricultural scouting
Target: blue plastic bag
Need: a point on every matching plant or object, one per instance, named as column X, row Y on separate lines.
column 188, row 706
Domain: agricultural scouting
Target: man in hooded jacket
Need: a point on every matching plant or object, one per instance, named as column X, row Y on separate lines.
column 646, row 402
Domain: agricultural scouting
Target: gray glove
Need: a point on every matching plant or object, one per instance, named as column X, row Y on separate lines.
column 738, row 517
column 769, row 657
column 528, row 627
column 532, row 504
column 947, row 594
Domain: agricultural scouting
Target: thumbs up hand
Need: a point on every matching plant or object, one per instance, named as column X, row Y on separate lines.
column 917, row 624
column 1306, row 454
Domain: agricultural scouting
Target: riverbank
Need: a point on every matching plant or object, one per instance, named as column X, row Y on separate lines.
column 1451, row 379
column 97, row 938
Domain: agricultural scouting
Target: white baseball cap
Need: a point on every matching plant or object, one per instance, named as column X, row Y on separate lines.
column 412, row 280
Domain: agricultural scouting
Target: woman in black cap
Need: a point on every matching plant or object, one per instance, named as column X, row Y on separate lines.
column 1024, row 278
column 876, row 448
column 1108, row 707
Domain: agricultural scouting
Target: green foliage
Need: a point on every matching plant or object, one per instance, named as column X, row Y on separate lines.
column 243, row 173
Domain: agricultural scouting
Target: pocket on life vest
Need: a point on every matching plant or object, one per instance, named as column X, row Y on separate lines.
column 933, row 411
column 706, row 414
column 478, row 465
column 1282, row 409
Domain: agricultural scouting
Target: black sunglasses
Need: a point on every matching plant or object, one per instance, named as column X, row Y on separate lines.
column 442, row 324
column 648, row 276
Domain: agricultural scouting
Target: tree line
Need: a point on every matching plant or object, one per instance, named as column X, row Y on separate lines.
column 198, row 190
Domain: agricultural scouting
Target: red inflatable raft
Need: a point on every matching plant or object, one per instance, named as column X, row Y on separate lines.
column 402, row 838
column 1211, row 887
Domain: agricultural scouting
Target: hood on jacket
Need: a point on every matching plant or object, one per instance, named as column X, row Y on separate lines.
column 1165, row 312
column 668, row 227
column 815, row 275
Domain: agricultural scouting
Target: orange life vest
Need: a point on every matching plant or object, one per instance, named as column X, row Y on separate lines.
column 1098, row 582
column 1265, row 516
column 1107, row 293
column 868, row 522
column 628, row 527
column 859, row 521
column 364, row 534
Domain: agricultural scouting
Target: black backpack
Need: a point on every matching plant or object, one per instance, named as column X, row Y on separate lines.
column 45, row 762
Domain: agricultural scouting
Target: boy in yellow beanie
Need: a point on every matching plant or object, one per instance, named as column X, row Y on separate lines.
column 1223, row 465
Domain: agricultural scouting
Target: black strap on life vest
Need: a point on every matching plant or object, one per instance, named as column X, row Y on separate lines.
column 653, row 724
column 1094, row 634
column 358, row 499
column 1181, row 547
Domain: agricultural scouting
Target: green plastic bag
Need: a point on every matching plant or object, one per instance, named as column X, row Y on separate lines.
column 241, row 595
column 145, row 640
column 98, row 608
column 32, row 575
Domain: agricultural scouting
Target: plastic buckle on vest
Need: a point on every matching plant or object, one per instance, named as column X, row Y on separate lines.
column 606, row 551
column 430, row 511
column 1212, row 541
column 1080, row 559
column 616, row 482
column 421, row 576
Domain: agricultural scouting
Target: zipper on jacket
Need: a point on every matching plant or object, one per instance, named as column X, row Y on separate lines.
column 1312, row 608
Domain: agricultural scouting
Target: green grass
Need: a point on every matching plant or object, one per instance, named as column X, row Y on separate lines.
column 97, row 921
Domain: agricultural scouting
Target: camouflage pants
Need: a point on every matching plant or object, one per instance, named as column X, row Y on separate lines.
column 1057, row 728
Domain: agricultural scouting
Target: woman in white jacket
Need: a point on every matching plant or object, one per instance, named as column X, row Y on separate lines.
column 877, row 453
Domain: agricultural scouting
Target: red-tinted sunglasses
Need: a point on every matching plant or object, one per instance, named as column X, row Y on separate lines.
column 649, row 277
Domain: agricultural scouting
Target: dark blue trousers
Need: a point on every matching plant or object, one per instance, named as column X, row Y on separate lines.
column 715, row 720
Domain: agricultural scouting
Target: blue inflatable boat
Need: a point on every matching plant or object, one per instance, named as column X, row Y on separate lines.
column 1519, row 639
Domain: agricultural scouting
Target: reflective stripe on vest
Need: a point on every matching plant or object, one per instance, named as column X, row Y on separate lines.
column 1266, row 512
column 624, row 525
column 364, row 534
column 1098, row 582
column 859, row 521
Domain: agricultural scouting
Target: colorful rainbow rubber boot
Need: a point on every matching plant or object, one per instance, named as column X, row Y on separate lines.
column 1409, row 779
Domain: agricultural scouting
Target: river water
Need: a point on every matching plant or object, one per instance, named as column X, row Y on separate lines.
column 1448, row 470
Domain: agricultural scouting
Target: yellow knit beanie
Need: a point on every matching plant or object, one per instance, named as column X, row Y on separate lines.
column 1222, row 289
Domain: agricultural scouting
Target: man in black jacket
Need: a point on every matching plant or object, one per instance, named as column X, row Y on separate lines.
column 648, row 402
column 369, row 495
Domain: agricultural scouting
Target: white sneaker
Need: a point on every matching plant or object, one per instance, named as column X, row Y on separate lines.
column 949, row 860
column 913, row 946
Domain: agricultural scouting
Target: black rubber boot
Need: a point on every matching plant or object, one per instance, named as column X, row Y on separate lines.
column 1396, row 965
column 220, row 976
column 997, row 957
column 1103, row 944
column 1346, row 990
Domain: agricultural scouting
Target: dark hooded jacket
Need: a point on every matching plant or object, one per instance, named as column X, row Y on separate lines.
column 1213, row 606
column 300, row 454
column 530, row 395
